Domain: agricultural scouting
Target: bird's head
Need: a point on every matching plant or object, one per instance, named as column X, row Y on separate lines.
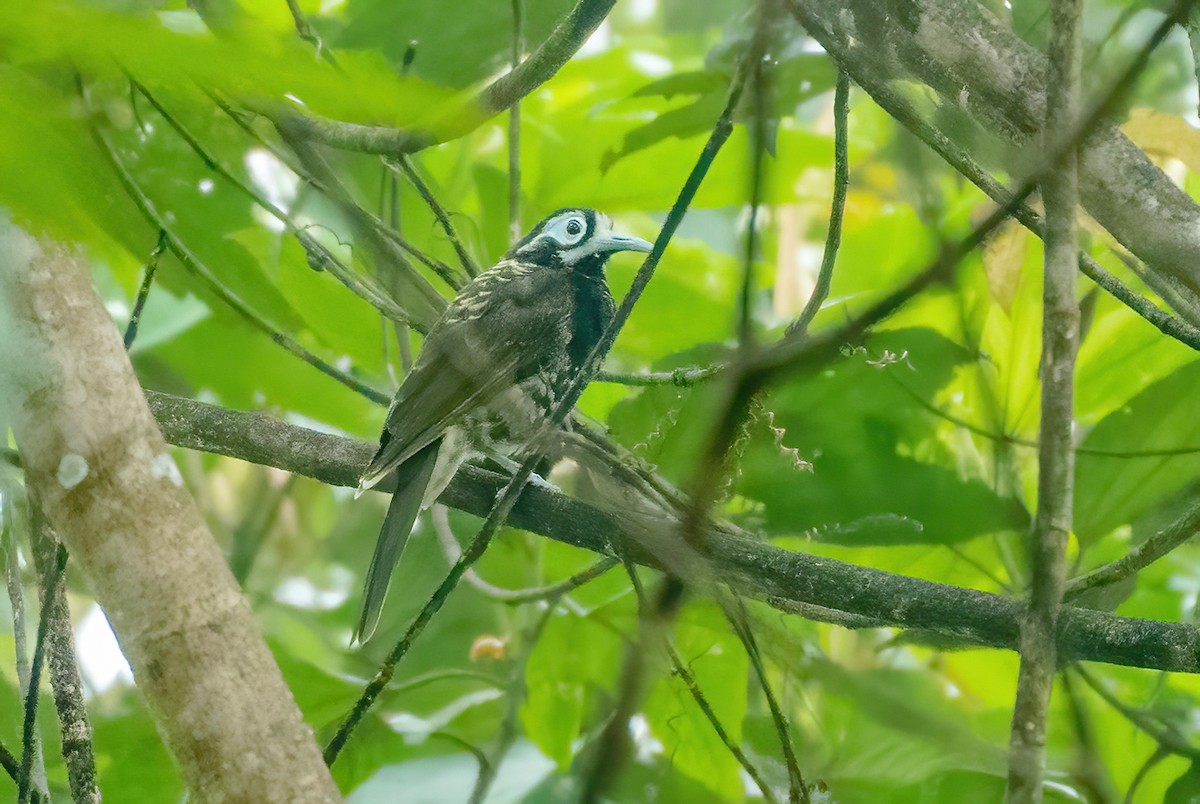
column 582, row 238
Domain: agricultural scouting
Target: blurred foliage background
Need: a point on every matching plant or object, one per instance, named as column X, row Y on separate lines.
column 920, row 465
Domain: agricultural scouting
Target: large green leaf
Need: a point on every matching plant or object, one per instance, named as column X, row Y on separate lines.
column 1113, row 489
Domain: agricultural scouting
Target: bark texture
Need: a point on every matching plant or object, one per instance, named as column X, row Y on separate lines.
column 1056, row 450
column 94, row 455
column 979, row 65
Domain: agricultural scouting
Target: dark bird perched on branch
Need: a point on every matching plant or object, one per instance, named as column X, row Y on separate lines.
column 491, row 370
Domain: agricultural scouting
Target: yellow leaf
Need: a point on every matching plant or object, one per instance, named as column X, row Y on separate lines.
column 1003, row 255
column 1164, row 136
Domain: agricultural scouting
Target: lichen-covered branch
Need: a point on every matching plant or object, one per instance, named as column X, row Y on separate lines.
column 980, row 65
column 1056, row 449
column 64, row 669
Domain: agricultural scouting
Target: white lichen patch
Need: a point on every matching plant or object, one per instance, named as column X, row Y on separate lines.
column 164, row 465
column 72, row 469
column 23, row 365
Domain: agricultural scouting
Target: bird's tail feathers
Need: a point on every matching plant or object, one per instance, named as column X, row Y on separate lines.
column 412, row 477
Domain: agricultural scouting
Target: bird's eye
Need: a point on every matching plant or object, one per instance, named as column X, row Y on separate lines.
column 574, row 226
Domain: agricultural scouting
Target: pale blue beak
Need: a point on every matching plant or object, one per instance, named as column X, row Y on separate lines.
column 612, row 242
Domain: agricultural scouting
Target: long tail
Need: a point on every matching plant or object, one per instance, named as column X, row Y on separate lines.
column 412, row 478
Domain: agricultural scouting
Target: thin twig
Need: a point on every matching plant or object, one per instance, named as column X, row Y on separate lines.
column 1140, row 557
column 389, row 251
column 135, row 317
column 9, row 495
column 29, row 730
column 837, row 209
column 474, row 750
column 449, row 674
column 256, row 524
column 1004, row 438
column 337, row 192
column 680, row 669
column 682, row 378
column 758, row 147
column 1163, row 732
column 193, row 264
column 739, row 618
column 318, row 256
column 514, row 130
column 12, row 766
column 821, row 614
column 306, row 32
column 389, row 210
column 1056, row 456
column 441, row 527
column 65, row 682
column 689, row 681
column 1158, row 756
column 1089, row 766
column 404, row 165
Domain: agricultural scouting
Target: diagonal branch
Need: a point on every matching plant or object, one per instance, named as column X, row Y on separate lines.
column 1140, row 557
column 980, row 64
column 903, row 111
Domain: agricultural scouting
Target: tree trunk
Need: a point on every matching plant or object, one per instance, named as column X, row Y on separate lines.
column 94, row 455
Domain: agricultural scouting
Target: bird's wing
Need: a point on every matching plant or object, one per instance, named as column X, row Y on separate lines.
column 487, row 341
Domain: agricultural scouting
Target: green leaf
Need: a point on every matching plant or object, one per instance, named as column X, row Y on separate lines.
column 1185, row 789
column 717, row 661
column 573, row 656
column 880, row 474
column 1112, row 490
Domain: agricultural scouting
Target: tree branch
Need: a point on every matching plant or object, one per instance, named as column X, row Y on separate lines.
column 64, row 669
column 1139, row 557
column 1056, row 454
column 502, row 93
column 979, row 63
column 748, row 566
column 837, row 209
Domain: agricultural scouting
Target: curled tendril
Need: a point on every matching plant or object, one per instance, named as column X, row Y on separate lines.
column 889, row 357
column 791, row 453
column 663, row 426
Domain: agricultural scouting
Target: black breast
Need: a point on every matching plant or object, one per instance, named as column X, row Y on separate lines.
column 593, row 311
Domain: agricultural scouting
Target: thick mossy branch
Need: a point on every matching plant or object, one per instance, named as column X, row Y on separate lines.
column 957, row 616
column 980, row 65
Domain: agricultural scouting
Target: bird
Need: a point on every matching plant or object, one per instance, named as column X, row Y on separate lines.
column 490, row 370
